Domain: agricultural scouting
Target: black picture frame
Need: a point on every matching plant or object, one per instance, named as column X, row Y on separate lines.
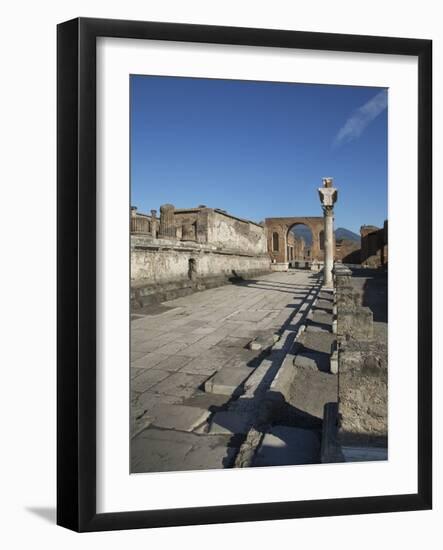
column 76, row 264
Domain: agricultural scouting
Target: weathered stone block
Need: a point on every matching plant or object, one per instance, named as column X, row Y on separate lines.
column 278, row 392
column 330, row 448
column 334, row 363
column 310, row 390
column 347, row 298
column 315, row 360
column 363, row 393
column 312, row 341
column 356, row 323
column 228, row 380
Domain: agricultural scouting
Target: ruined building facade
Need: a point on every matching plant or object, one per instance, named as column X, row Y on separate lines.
column 184, row 250
column 374, row 245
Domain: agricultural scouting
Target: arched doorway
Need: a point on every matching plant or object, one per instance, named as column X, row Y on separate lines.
column 284, row 246
column 299, row 243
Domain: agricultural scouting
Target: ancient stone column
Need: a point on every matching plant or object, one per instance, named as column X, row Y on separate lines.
column 154, row 223
column 167, row 225
column 328, row 197
column 133, row 219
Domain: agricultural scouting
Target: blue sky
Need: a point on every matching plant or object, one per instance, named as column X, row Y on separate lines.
column 259, row 149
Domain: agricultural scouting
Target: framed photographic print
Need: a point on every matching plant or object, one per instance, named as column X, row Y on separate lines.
column 240, row 338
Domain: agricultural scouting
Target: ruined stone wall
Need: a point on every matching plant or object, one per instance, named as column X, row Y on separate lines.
column 374, row 245
column 362, row 368
column 160, row 260
column 193, row 224
column 363, row 393
column 186, row 224
column 164, row 269
column 347, row 251
column 225, row 231
column 204, row 225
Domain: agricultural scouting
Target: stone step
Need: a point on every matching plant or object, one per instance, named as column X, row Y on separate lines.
column 228, row 423
column 325, row 305
column 315, row 360
column 228, row 380
column 316, row 341
column 284, row 446
column 311, row 390
column 316, row 328
column 322, row 317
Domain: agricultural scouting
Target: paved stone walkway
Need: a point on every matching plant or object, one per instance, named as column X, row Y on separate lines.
column 190, row 360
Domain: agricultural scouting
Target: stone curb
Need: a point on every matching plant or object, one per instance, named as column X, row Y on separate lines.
column 274, row 398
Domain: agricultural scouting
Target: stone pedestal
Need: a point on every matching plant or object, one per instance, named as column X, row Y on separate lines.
column 167, row 225
column 154, row 223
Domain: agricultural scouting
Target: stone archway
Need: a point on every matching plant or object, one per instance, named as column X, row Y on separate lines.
column 282, row 226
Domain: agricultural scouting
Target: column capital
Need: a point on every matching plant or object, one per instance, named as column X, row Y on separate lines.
column 328, row 196
column 328, row 210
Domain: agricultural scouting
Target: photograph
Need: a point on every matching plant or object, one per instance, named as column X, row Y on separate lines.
column 258, row 223
column 233, row 326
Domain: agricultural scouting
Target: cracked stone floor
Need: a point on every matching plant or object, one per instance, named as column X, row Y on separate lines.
column 178, row 345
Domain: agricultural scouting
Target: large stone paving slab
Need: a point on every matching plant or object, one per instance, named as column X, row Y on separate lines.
column 174, row 363
column 252, row 316
column 229, row 423
column 242, row 357
column 149, row 360
column 146, row 402
column 180, row 384
column 202, row 365
column 155, row 450
column 212, row 402
column 178, row 417
column 147, row 379
column 199, row 343
column 233, row 342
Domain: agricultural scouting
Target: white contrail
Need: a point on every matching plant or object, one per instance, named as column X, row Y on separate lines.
column 361, row 118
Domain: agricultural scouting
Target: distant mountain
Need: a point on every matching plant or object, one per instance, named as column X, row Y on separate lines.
column 342, row 233
column 303, row 232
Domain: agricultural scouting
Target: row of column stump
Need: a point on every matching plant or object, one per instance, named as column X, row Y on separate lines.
column 355, row 427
